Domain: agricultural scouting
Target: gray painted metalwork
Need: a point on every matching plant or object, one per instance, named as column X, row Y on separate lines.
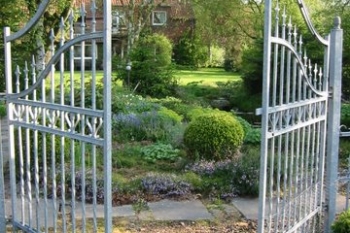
column 295, row 116
column 2, row 183
column 335, row 68
column 55, row 136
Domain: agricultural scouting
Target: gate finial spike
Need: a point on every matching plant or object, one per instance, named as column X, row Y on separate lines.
column 337, row 22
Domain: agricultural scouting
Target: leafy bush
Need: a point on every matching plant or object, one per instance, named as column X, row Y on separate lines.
column 213, row 136
column 192, row 178
column 245, row 172
column 88, row 100
column 170, row 115
column 174, row 104
column 252, row 66
column 345, row 115
column 253, row 136
column 151, row 69
column 190, row 51
column 342, row 223
column 159, row 151
column 231, row 177
column 245, row 125
column 126, row 103
column 229, row 65
column 128, row 127
column 344, row 150
column 3, row 111
column 127, row 156
column 154, row 126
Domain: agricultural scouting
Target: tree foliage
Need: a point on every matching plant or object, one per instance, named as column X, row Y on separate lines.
column 151, row 69
column 137, row 16
column 16, row 13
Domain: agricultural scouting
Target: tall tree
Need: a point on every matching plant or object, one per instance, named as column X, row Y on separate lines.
column 138, row 14
column 11, row 17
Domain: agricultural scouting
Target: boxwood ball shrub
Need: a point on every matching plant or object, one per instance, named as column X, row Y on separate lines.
column 213, row 136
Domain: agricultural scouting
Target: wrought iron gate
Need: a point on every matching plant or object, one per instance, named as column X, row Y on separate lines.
column 298, row 142
column 58, row 131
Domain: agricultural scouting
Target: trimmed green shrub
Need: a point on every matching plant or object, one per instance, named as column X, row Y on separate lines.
column 198, row 111
column 213, row 136
column 342, row 223
column 170, row 115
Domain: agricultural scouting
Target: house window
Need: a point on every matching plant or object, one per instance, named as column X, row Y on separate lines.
column 158, row 18
column 88, row 52
column 119, row 21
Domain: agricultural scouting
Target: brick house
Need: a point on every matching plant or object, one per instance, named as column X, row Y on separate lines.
column 172, row 18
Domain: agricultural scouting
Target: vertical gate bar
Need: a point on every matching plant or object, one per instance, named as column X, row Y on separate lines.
column 36, row 162
column 275, row 123
column 72, row 171
column 335, row 70
column 53, row 164
column 72, row 118
column 303, row 91
column 10, row 108
column 20, row 148
column 44, row 155
column 289, row 165
column 264, row 117
column 93, row 106
column 82, row 104
column 27, row 150
column 62, row 207
column 107, row 67
column 2, row 188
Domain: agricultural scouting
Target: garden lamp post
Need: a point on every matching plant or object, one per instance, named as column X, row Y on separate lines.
column 128, row 69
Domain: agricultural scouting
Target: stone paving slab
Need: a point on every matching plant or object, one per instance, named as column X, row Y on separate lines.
column 165, row 210
column 186, row 210
column 249, row 207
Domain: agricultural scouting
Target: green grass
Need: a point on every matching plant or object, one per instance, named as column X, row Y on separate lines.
column 77, row 77
column 206, row 76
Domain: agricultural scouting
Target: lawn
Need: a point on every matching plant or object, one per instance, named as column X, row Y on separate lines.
column 206, row 76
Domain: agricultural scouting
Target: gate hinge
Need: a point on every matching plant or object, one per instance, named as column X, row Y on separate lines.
column 330, row 92
column 258, row 111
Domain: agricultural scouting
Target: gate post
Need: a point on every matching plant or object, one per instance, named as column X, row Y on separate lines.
column 335, row 75
column 2, row 189
column 107, row 109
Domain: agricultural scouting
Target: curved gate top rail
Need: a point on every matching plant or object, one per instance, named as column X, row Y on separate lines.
column 59, row 128
column 32, row 22
column 300, row 126
column 308, row 21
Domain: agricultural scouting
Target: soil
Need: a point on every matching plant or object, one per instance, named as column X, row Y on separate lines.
column 192, row 227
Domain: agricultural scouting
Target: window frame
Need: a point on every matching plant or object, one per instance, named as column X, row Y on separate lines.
column 153, row 18
column 77, row 56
